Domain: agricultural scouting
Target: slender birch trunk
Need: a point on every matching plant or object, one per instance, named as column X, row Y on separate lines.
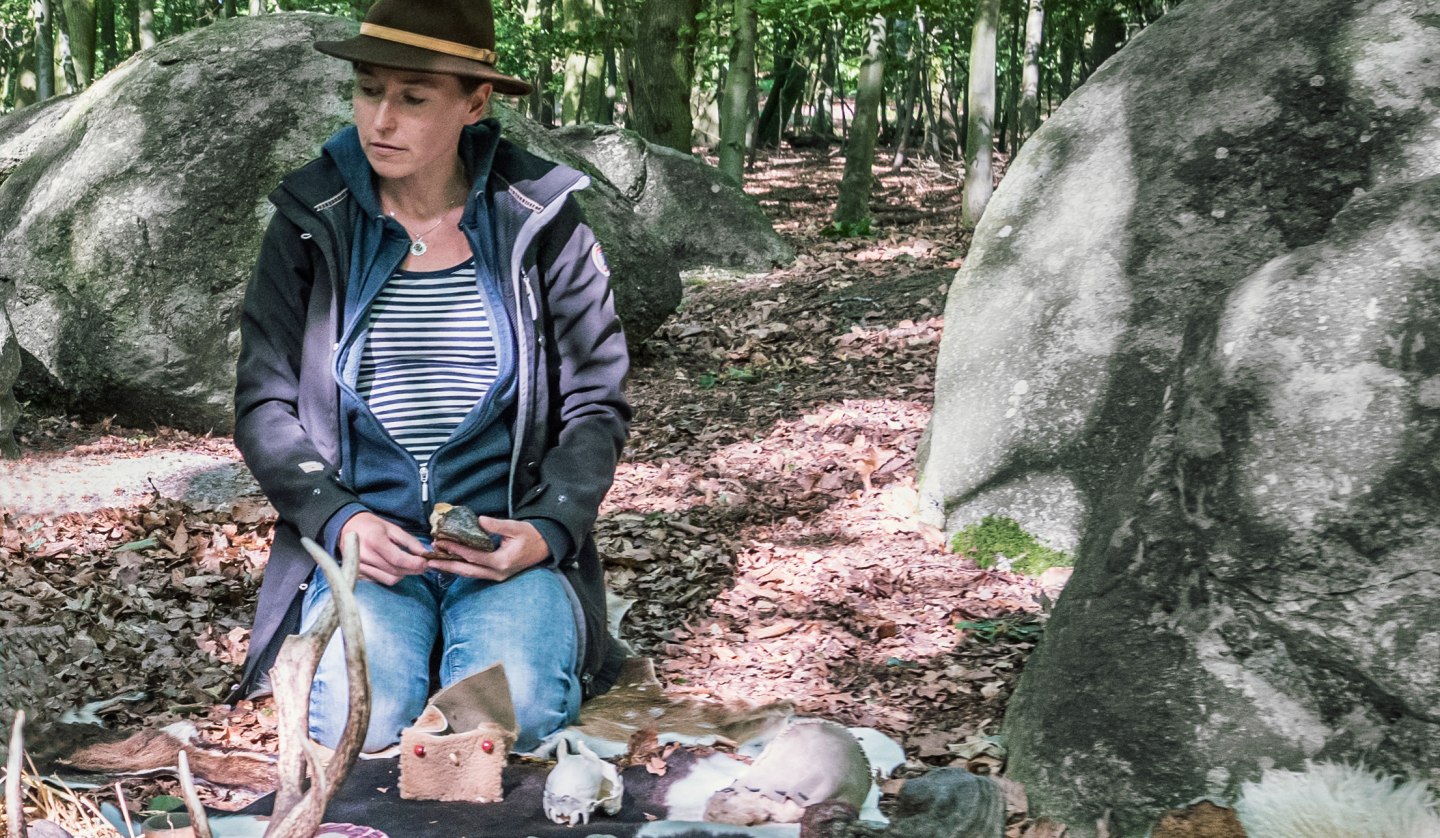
column 853, row 208
column 980, row 116
column 739, row 95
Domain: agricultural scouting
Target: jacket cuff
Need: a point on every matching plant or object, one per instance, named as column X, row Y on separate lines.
column 556, row 537
column 337, row 523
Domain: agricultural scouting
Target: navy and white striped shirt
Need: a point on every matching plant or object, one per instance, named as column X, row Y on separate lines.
column 430, row 356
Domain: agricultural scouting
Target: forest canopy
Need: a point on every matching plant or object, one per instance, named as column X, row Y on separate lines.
column 661, row 66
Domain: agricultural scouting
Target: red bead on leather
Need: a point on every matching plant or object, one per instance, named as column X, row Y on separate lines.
column 486, row 745
column 419, row 750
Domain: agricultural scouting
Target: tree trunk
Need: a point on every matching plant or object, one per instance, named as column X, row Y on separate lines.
column 1109, row 36
column 936, row 132
column 822, row 122
column 584, row 94
column 735, row 104
column 44, row 50
column 1030, row 97
column 542, row 109
column 146, row 18
column 1008, row 92
column 772, row 118
column 660, row 103
column 23, row 86
column 915, row 56
column 980, row 117
column 80, row 27
column 65, row 80
column 109, row 49
column 257, row 7
column 612, row 84
column 1069, row 51
column 132, row 27
column 795, row 84
column 228, row 8
column 853, row 209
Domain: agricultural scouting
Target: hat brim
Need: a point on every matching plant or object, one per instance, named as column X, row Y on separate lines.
column 396, row 56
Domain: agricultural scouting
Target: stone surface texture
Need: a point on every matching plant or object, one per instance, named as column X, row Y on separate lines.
column 130, row 216
column 703, row 218
column 9, row 371
column 949, row 803
column 1198, row 338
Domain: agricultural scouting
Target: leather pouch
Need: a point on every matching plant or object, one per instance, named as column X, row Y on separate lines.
column 457, row 749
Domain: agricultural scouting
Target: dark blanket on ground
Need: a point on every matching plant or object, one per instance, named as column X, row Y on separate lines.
column 370, row 796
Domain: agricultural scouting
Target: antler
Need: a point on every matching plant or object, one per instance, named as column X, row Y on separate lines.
column 199, row 821
column 14, row 805
column 298, row 811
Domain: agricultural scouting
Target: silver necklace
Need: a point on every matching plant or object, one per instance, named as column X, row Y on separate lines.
column 417, row 243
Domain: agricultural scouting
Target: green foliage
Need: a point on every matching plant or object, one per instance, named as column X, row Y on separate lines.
column 738, row 375
column 846, row 229
column 1013, row 629
column 162, row 804
column 1002, row 541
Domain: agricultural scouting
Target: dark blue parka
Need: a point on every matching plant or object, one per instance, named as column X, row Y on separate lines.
column 567, row 416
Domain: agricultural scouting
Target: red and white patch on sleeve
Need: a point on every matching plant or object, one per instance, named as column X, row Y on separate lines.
column 598, row 257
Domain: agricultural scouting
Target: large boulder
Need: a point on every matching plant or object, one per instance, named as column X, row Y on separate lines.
column 700, row 215
column 132, row 221
column 1197, row 338
column 21, row 131
column 9, row 372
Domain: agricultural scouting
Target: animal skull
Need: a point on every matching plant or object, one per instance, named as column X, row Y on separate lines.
column 580, row 783
column 810, row 762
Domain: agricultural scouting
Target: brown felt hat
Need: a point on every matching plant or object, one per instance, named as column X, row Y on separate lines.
column 430, row 36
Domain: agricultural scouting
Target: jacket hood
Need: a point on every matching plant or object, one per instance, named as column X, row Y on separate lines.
column 478, row 143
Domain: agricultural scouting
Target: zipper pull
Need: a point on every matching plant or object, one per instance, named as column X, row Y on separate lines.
column 424, row 484
column 530, row 297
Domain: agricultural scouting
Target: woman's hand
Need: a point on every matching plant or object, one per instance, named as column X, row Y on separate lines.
column 521, row 547
column 387, row 552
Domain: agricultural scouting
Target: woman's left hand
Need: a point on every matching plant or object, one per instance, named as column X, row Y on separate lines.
column 521, row 547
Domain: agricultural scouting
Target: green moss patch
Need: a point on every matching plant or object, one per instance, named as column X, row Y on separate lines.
column 1001, row 542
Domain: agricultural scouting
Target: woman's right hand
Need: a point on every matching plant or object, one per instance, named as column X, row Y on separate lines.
column 387, row 552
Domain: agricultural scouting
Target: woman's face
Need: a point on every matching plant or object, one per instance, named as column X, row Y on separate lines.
column 409, row 121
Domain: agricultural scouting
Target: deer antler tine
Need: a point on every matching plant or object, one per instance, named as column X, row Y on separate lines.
column 357, row 722
column 298, row 812
column 14, row 805
column 303, row 820
column 199, row 821
column 291, row 677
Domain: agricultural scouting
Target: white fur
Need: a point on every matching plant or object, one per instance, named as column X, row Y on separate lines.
column 1336, row 801
column 884, row 753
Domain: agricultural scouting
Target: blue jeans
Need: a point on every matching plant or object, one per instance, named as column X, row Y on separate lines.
column 526, row 622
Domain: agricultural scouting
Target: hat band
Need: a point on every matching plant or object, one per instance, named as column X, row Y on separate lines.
column 400, row 36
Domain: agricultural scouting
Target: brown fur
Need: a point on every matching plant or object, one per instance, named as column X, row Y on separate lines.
column 154, row 752
column 637, row 701
column 1200, row 820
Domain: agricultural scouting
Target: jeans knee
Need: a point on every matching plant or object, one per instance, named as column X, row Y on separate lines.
column 390, row 713
column 544, row 703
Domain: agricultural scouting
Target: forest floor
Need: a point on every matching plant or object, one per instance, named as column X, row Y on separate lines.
column 764, row 520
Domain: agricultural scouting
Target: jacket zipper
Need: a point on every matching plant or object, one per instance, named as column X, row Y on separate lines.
column 424, row 486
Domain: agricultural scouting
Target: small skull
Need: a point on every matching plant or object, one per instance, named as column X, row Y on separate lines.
column 579, row 784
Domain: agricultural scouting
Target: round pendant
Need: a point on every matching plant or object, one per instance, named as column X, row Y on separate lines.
column 418, row 248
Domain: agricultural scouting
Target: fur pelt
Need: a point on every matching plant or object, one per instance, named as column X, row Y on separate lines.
column 637, row 703
column 155, row 752
column 1336, row 801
